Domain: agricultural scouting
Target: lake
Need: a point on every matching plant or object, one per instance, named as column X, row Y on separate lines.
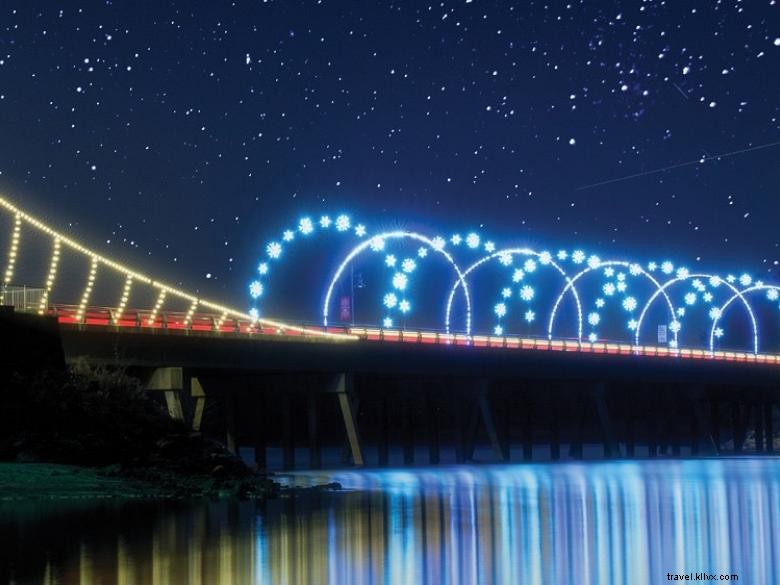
column 581, row 523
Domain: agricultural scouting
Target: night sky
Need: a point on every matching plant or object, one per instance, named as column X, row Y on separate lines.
column 182, row 136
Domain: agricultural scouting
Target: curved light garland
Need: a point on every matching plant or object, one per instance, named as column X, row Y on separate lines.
column 96, row 260
column 499, row 254
column 710, row 277
column 661, row 275
column 735, row 296
column 634, row 270
column 360, row 248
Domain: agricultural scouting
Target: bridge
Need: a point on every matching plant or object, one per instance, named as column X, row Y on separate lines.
column 505, row 386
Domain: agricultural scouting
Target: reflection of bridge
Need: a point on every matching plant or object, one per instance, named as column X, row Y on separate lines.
column 396, row 386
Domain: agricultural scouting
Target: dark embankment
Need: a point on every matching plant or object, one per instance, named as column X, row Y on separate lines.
column 80, row 431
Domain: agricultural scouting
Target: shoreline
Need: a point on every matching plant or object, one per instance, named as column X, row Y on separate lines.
column 57, row 481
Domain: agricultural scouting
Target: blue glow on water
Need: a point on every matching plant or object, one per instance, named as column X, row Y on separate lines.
column 623, row 523
column 627, row 522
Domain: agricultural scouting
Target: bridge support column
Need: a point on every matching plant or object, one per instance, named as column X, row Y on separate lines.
column 171, row 382
column 230, row 420
column 288, row 447
column 343, row 390
column 528, row 430
column 408, row 426
column 611, row 446
column 487, row 418
column 703, row 426
column 315, row 457
column 260, row 427
column 383, row 446
column 199, row 397
column 431, row 414
column 759, row 426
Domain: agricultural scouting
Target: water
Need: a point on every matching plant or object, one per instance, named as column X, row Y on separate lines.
column 611, row 523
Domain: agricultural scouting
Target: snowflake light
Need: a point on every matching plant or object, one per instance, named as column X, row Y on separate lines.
column 490, row 247
column 342, row 223
column 274, row 250
column 621, row 286
column 690, row 298
column 707, row 297
column 505, row 259
column 288, row 235
column 675, row 326
column 498, row 330
column 306, row 226
column 500, row 309
column 718, row 332
column 408, row 265
column 527, row 293
column 609, row 272
column 390, row 300
column 387, row 322
column 772, row 294
column 325, row 222
column 472, row 240
column 600, row 303
column 578, row 256
column 609, row 289
column 404, row 306
column 562, row 255
column 593, row 338
column 377, row 244
column 254, row 313
column 594, row 318
column 262, row 268
column 629, row 304
column 390, row 260
column 517, row 275
column 400, row 280
column 255, row 289
column 594, row 261
column 360, row 230
column 422, row 252
column 438, row 243
column 715, row 281
column 455, row 240
column 745, row 280
column 506, row 292
column 632, row 324
column 545, row 258
column 667, row 267
column 529, row 316
column 682, row 273
column 530, row 265
column 714, row 313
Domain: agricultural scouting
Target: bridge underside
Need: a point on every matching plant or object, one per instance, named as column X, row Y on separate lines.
column 299, row 403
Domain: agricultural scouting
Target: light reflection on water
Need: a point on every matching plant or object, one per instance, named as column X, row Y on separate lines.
column 614, row 523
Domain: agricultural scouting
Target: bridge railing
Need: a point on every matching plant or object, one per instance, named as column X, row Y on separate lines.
column 560, row 345
column 24, row 299
column 179, row 321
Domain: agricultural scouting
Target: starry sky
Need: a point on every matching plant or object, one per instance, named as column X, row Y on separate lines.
column 181, row 136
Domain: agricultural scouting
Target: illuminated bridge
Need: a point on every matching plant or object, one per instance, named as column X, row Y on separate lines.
column 443, row 341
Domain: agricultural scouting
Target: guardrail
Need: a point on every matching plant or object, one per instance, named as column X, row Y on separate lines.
column 214, row 323
column 562, row 345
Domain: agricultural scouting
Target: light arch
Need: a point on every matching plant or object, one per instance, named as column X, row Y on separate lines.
column 677, row 279
column 605, row 264
column 499, row 254
column 396, row 235
column 735, row 296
